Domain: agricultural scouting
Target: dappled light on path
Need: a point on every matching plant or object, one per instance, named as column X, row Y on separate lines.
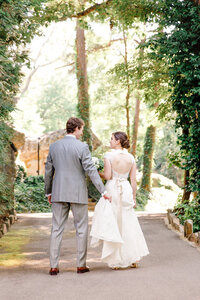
column 11, row 246
column 175, row 259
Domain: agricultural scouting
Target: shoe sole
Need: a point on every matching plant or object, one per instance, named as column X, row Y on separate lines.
column 82, row 271
column 53, row 273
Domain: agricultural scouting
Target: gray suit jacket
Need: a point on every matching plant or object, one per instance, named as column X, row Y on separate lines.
column 67, row 162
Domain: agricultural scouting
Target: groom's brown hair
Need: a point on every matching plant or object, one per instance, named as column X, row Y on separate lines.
column 73, row 123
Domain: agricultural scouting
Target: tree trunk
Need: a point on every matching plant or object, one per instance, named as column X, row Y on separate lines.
column 137, row 104
column 82, row 82
column 148, row 157
column 186, row 193
column 127, row 105
column 127, row 114
column 136, row 124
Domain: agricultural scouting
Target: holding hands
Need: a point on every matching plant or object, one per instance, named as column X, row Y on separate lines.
column 107, row 196
column 49, row 199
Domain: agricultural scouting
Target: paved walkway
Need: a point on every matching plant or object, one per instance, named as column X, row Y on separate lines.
column 171, row 271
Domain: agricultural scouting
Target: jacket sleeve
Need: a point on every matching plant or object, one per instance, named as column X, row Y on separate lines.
column 49, row 173
column 91, row 170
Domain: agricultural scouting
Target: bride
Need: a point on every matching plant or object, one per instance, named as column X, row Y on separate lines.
column 115, row 224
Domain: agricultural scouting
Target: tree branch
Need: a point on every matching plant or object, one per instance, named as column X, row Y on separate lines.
column 101, row 47
column 28, row 81
column 88, row 10
column 35, row 68
column 41, row 47
column 67, row 65
column 33, row 72
column 97, row 48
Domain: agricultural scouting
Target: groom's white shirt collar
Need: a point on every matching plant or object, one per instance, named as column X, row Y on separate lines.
column 70, row 134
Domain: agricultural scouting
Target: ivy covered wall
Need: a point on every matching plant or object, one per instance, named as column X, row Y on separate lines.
column 15, row 31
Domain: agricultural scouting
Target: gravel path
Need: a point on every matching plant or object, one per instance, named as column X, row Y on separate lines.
column 171, row 271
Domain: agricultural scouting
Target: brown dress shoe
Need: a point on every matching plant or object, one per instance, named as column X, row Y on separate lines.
column 54, row 271
column 83, row 269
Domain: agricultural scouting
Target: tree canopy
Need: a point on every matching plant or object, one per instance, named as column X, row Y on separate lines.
column 170, row 62
column 179, row 45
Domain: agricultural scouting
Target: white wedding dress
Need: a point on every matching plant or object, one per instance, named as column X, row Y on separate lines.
column 115, row 224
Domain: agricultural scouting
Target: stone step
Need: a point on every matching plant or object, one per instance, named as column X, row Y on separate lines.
column 5, row 226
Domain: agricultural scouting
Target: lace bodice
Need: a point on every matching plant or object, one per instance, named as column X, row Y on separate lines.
column 121, row 163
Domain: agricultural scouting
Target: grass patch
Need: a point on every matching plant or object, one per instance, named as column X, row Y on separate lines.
column 11, row 247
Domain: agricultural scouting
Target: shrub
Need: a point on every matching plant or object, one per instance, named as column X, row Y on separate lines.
column 30, row 195
column 93, row 193
column 142, row 197
column 189, row 210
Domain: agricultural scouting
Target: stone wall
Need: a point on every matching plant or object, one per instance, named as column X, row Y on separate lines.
column 7, row 213
column 29, row 151
column 185, row 231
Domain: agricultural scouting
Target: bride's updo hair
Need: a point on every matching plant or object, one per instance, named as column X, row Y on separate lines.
column 123, row 138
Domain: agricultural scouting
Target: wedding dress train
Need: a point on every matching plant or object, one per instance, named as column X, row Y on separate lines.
column 115, row 224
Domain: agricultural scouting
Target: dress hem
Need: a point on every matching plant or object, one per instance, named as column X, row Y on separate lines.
column 123, row 266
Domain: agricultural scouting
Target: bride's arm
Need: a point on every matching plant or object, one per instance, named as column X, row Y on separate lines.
column 133, row 182
column 107, row 174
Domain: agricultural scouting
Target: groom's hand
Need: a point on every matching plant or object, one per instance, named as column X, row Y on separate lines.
column 107, row 197
column 49, row 199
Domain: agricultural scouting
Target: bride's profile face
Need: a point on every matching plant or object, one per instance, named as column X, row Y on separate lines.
column 113, row 142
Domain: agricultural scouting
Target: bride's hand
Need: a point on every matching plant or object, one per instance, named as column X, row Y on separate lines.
column 107, row 197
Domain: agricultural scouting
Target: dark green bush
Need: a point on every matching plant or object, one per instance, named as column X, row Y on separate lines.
column 189, row 210
column 93, row 193
column 142, row 197
column 30, row 195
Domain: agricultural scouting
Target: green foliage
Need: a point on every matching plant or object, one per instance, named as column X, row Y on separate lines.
column 167, row 153
column 191, row 210
column 142, row 197
column 15, row 31
column 56, row 104
column 173, row 59
column 146, row 73
column 179, row 45
column 148, row 157
column 93, row 193
column 6, row 181
column 118, row 11
column 30, row 196
column 6, row 196
column 83, row 113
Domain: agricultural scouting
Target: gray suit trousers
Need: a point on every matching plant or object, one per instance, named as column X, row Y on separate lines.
column 60, row 215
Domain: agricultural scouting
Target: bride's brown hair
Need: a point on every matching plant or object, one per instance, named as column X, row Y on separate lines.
column 123, row 138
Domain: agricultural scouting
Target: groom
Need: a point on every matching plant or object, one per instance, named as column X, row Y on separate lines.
column 65, row 184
